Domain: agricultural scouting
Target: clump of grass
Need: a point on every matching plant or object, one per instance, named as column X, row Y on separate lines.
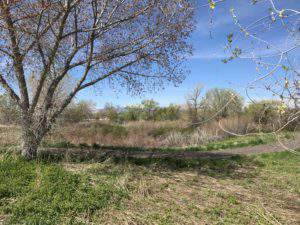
column 84, row 145
column 160, row 131
column 114, row 130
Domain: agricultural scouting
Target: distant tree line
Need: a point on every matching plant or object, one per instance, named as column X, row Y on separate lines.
column 148, row 110
column 199, row 109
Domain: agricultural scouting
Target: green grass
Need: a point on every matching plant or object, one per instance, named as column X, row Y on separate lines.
column 43, row 193
column 261, row 189
column 116, row 131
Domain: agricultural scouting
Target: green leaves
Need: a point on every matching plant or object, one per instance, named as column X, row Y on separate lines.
column 285, row 68
column 212, row 4
column 229, row 38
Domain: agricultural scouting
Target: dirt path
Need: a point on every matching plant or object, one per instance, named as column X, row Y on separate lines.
column 219, row 154
column 226, row 153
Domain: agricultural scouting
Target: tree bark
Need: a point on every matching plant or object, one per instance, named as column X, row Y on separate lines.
column 30, row 140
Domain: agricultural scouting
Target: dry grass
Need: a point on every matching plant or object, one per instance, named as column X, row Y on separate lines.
column 136, row 134
column 159, row 196
column 9, row 135
column 261, row 189
column 148, row 133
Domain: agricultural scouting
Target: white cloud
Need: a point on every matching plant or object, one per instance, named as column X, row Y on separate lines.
column 209, row 55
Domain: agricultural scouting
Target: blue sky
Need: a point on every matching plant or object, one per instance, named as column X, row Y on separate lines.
column 209, row 40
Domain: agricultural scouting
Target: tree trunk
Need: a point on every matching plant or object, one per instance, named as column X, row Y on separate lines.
column 29, row 146
column 30, row 140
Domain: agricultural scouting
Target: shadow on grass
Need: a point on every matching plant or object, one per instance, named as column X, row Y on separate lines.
column 225, row 144
column 207, row 163
column 235, row 167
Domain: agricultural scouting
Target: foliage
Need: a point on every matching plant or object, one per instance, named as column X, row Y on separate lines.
column 264, row 112
column 114, row 130
column 111, row 112
column 171, row 112
column 149, row 108
column 221, row 103
column 78, row 112
column 131, row 113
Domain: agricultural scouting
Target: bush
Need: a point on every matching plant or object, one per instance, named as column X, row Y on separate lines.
column 114, row 130
column 176, row 139
column 78, row 112
column 266, row 114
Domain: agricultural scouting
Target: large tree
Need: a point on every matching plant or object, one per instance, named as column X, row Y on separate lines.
column 221, row 103
column 136, row 44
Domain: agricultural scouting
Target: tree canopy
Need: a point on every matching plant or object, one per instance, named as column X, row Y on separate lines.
column 136, row 45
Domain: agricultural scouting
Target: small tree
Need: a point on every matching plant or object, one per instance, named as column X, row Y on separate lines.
column 133, row 44
column 131, row 113
column 171, row 112
column 193, row 102
column 111, row 112
column 149, row 108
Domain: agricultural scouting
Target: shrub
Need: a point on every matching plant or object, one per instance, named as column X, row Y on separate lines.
column 131, row 113
column 78, row 112
column 114, row 130
column 176, row 139
column 266, row 114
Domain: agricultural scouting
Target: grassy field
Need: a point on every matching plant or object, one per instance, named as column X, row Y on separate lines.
column 262, row 189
